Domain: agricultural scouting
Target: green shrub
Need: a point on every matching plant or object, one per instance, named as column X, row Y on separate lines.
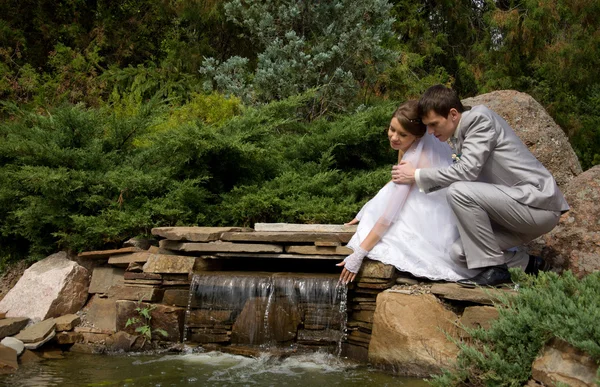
column 548, row 306
column 80, row 178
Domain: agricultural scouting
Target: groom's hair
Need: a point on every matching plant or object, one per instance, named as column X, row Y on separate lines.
column 439, row 99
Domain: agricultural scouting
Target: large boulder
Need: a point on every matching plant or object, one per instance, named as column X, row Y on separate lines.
column 575, row 243
column 52, row 287
column 409, row 334
column 560, row 362
column 534, row 126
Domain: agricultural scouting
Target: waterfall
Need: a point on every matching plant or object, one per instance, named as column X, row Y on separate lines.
column 266, row 310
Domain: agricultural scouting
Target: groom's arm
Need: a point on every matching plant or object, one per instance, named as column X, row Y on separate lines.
column 479, row 141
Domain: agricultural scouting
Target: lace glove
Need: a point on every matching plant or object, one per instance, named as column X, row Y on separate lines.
column 354, row 260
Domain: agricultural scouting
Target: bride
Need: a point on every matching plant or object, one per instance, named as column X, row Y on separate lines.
column 404, row 227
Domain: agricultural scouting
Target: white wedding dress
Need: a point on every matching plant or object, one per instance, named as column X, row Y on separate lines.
column 421, row 226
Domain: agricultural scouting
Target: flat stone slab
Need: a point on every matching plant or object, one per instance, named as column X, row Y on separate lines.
column 319, row 250
column 36, row 332
column 376, row 269
column 101, row 313
column 125, row 259
column 220, row 247
column 135, row 293
column 67, row 322
column 159, row 264
column 129, row 275
column 283, row 256
column 453, row 291
column 289, row 237
column 195, row 234
column 103, row 278
column 12, row 325
column 294, row 227
column 103, row 254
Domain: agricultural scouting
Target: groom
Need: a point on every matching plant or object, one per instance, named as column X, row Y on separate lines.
column 501, row 194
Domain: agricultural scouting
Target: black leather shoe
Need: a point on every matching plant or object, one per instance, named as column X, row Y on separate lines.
column 489, row 276
column 536, row 264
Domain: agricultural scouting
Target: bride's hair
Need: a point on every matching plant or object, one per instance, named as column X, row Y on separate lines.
column 408, row 116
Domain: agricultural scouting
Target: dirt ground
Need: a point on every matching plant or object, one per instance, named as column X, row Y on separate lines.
column 11, row 275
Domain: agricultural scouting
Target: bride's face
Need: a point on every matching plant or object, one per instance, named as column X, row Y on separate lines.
column 400, row 139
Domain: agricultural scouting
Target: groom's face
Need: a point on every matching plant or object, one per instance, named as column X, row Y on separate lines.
column 441, row 127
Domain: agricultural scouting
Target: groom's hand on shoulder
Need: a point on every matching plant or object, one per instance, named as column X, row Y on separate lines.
column 404, row 173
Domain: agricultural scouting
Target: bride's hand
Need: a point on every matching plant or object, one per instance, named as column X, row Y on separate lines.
column 352, row 222
column 352, row 265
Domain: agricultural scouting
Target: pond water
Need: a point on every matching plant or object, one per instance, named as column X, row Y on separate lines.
column 201, row 369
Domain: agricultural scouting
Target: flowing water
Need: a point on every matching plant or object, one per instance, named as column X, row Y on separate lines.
column 201, row 369
column 266, row 309
column 295, row 322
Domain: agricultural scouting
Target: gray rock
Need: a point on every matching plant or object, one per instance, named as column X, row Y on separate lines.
column 195, row 234
column 37, row 332
column 456, row 292
column 51, row 287
column 38, row 344
column 534, row 126
column 290, row 237
column 560, row 362
column 67, row 322
column 409, row 334
column 13, row 343
column 575, row 243
column 219, row 246
column 103, row 278
column 12, row 325
column 292, row 227
column 101, row 313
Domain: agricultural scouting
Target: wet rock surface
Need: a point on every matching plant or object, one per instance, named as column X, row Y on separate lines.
column 409, row 334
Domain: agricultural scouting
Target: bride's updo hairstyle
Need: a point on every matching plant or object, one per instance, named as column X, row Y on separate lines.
column 408, row 116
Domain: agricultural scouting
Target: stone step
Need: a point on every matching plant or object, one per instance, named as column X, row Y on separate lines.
column 124, row 260
column 174, row 264
column 452, row 291
column 220, row 247
column 195, row 234
column 294, row 227
column 103, row 254
column 318, row 250
column 280, row 256
column 287, row 237
column 37, row 332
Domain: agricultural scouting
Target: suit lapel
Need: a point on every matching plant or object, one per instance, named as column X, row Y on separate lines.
column 460, row 131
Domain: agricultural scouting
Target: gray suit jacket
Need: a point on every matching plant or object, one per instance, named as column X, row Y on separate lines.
column 491, row 152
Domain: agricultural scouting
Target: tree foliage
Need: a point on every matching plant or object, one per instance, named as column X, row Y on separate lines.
column 81, row 178
column 108, row 129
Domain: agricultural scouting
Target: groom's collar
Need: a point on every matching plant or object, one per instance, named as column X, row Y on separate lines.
column 455, row 134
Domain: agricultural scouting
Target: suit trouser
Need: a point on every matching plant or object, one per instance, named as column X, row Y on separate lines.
column 490, row 222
